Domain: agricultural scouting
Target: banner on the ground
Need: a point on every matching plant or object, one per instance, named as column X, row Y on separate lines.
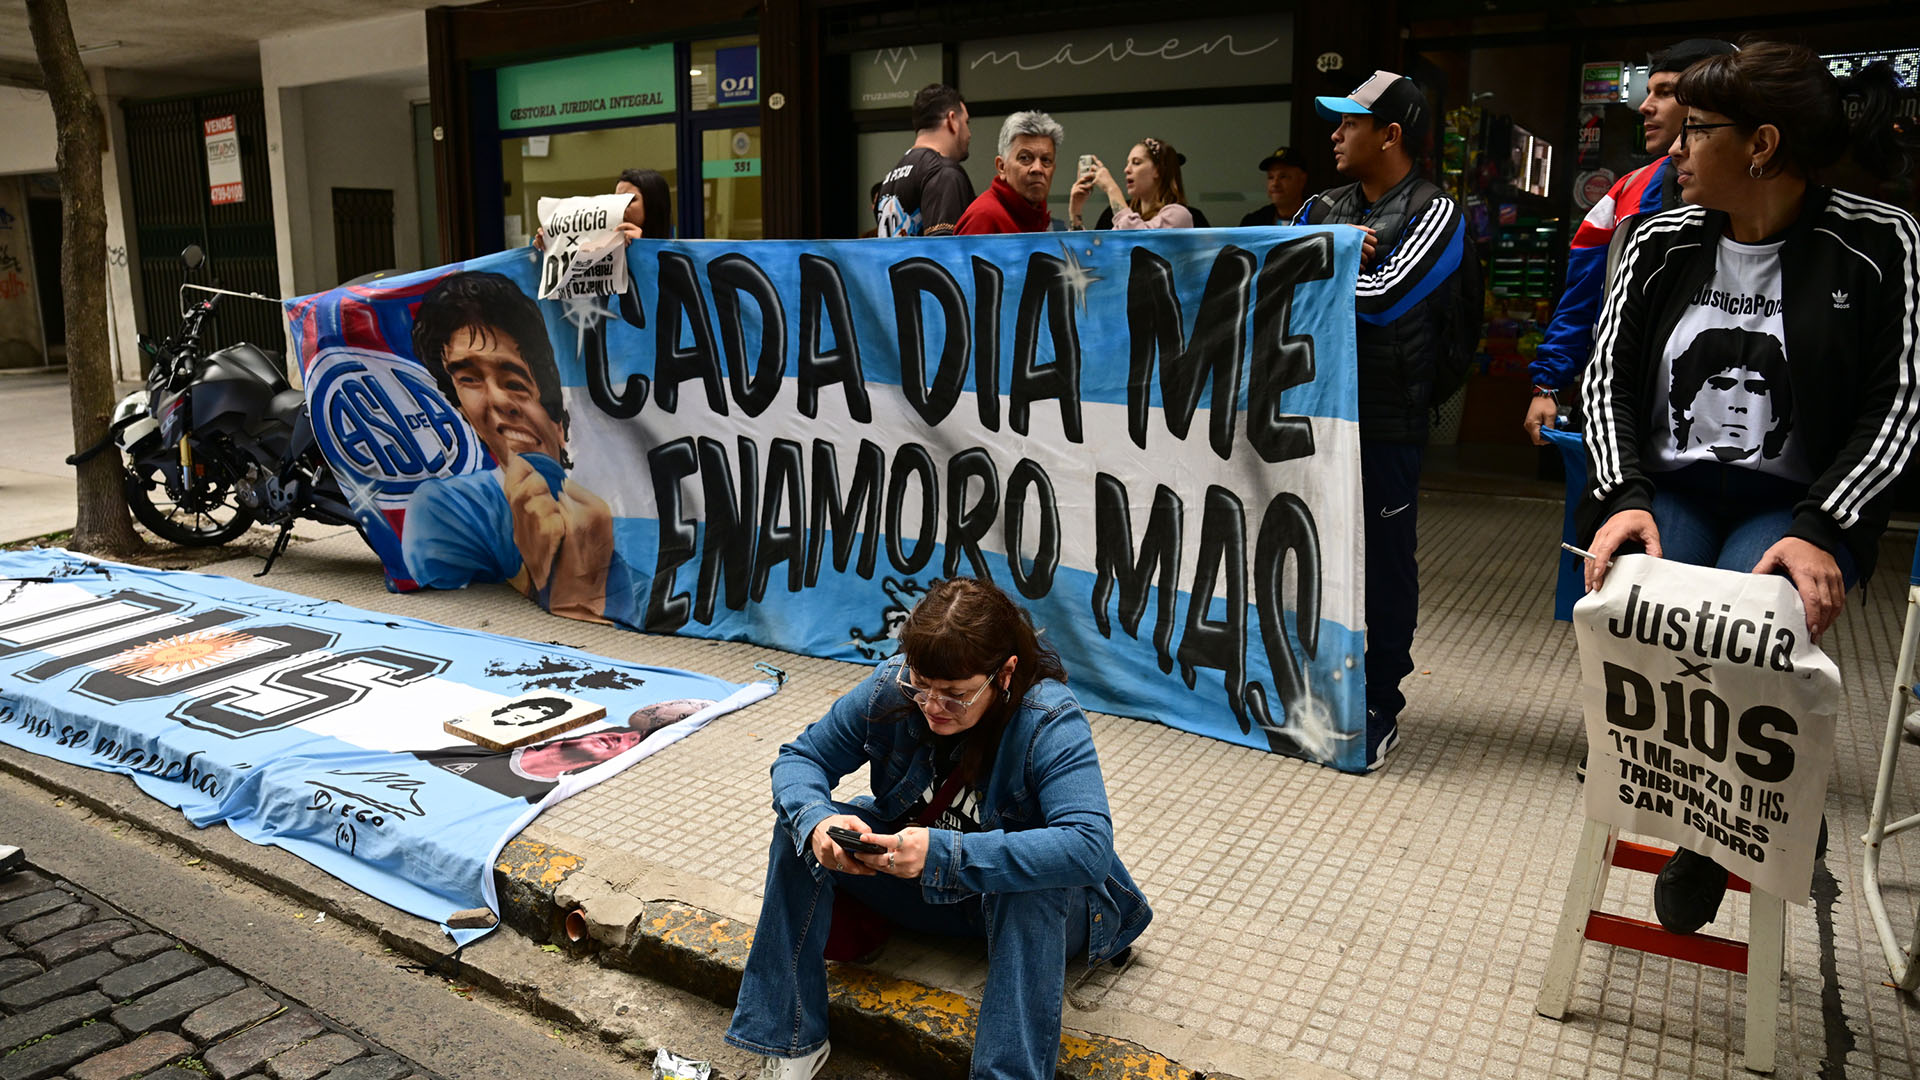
column 1149, row 438
column 1710, row 715
column 317, row 727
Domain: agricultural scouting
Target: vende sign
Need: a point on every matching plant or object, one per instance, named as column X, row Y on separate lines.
column 223, row 161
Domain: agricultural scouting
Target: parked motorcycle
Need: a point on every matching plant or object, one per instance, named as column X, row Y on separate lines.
column 219, row 441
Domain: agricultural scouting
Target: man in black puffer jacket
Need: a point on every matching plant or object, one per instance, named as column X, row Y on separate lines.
column 1418, row 302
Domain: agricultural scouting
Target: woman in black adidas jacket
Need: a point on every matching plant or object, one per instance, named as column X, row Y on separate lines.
column 1755, row 388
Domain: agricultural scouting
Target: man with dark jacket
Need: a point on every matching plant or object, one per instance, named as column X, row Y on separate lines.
column 1286, row 171
column 927, row 191
column 1023, row 177
column 1418, row 301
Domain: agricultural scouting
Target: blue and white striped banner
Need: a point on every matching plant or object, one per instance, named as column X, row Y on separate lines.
column 793, row 440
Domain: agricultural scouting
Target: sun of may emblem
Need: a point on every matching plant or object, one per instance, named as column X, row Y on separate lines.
column 170, row 657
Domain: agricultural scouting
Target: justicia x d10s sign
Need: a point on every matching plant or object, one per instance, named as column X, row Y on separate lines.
column 1148, row 438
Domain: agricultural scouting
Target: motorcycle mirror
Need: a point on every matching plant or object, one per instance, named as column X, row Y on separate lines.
column 193, row 256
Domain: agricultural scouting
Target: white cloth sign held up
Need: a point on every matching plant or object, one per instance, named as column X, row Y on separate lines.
column 585, row 253
column 1710, row 715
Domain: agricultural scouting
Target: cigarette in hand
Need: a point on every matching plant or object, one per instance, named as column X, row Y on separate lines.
column 1582, row 552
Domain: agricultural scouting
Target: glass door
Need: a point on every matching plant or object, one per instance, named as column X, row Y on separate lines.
column 577, row 163
column 723, row 139
column 730, row 182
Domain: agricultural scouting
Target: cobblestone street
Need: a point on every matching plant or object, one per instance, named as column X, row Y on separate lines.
column 89, row 993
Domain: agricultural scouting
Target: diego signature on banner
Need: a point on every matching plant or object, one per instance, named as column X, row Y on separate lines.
column 1710, row 715
column 1150, row 436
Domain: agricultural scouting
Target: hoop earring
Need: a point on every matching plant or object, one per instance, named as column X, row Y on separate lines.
column 1753, row 170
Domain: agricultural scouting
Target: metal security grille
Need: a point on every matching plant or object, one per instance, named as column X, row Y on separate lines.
column 362, row 231
column 167, row 158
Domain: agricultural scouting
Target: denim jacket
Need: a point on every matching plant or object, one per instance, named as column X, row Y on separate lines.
column 1045, row 823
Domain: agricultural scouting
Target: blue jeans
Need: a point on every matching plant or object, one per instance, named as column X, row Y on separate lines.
column 1727, row 517
column 782, row 1009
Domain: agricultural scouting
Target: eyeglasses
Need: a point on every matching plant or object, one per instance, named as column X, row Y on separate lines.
column 1687, row 128
column 934, row 699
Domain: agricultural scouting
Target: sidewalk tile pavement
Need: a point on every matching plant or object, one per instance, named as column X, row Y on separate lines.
column 1391, row 925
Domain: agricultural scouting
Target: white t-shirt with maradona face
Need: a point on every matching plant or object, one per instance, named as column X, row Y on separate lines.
column 1725, row 369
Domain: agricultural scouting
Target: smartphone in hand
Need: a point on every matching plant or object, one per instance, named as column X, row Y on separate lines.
column 1086, row 164
column 850, row 841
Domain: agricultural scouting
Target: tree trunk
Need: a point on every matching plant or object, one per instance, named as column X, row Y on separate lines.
column 102, row 525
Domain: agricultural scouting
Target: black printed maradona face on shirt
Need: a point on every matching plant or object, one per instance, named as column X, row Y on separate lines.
column 1733, row 413
column 1731, row 395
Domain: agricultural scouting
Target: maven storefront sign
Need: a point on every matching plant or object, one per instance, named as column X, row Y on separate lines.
column 1246, row 51
column 600, row 86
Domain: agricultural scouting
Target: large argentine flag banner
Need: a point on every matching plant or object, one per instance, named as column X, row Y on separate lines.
column 317, row 727
column 1147, row 437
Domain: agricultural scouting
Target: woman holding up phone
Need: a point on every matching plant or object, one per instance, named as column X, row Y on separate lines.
column 988, row 819
column 1154, row 197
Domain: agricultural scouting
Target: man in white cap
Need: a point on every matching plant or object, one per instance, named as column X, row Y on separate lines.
column 1418, row 302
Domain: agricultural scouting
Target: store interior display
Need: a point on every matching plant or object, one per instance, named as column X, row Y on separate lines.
column 1497, row 172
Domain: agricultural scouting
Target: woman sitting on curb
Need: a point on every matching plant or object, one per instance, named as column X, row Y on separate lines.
column 989, row 819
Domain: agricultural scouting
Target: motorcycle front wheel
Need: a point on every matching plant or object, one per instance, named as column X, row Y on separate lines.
column 206, row 516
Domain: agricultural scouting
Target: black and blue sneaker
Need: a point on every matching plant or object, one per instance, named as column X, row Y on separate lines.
column 1383, row 737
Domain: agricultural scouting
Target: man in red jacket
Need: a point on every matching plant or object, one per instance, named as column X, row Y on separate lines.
column 1017, row 201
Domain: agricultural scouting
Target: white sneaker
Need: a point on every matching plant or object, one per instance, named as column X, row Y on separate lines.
column 800, row 1068
column 1912, row 724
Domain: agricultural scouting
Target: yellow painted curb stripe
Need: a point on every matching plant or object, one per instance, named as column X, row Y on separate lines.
column 934, row 1015
column 535, row 864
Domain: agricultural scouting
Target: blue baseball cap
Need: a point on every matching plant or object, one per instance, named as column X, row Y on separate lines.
column 1385, row 96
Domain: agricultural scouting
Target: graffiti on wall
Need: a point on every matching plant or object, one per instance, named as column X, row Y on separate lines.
column 21, row 343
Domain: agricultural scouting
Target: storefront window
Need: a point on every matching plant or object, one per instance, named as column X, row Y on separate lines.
column 579, row 163
column 723, row 72
column 1195, row 67
column 1223, row 145
column 690, row 109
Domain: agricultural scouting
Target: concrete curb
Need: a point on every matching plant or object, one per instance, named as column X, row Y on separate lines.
column 921, row 1029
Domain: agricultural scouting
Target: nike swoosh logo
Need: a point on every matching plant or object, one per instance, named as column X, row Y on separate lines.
column 1385, row 513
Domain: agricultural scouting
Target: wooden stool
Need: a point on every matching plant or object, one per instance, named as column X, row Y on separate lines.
column 1760, row 958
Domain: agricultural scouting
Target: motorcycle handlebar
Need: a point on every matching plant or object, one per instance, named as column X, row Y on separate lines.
column 177, row 351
